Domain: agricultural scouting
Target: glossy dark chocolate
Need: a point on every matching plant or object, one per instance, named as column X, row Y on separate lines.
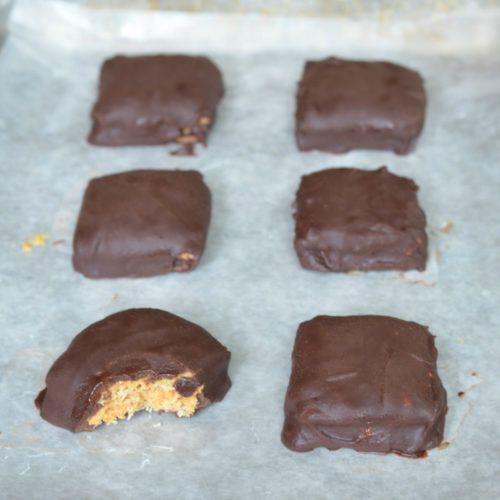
column 130, row 345
column 344, row 105
column 155, row 99
column 368, row 383
column 349, row 219
column 142, row 223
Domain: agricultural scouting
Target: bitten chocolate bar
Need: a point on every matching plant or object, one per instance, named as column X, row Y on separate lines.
column 138, row 359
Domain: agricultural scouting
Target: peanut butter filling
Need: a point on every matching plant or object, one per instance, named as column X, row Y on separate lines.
column 184, row 261
column 123, row 398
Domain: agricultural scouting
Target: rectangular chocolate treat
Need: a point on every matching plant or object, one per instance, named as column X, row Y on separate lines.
column 349, row 219
column 138, row 359
column 368, row 383
column 344, row 105
column 142, row 223
column 155, row 99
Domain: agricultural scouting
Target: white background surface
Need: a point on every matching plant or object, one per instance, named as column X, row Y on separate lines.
column 249, row 290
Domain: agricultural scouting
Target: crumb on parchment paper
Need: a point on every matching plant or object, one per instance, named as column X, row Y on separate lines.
column 26, row 246
column 38, row 240
column 444, row 228
column 447, row 228
column 411, row 281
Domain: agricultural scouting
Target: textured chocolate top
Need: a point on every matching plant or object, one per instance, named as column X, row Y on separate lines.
column 364, row 382
column 152, row 99
column 351, row 219
column 343, row 105
column 138, row 223
column 128, row 345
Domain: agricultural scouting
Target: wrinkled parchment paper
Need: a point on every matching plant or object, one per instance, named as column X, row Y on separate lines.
column 248, row 290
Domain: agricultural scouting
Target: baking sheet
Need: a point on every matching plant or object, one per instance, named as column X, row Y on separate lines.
column 248, row 290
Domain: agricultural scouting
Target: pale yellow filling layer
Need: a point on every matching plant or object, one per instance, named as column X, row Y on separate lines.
column 123, row 398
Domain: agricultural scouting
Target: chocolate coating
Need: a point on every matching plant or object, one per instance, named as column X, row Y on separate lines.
column 344, row 105
column 142, row 223
column 368, row 383
column 155, row 99
column 349, row 219
column 129, row 345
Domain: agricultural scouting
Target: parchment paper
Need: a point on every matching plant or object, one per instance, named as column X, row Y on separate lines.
column 249, row 290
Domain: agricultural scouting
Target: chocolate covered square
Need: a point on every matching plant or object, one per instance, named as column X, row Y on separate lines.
column 155, row 99
column 134, row 360
column 142, row 223
column 348, row 219
column 344, row 105
column 368, row 383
